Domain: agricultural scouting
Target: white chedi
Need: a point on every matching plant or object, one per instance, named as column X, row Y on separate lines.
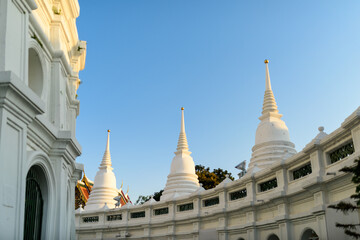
column 182, row 179
column 104, row 189
column 272, row 141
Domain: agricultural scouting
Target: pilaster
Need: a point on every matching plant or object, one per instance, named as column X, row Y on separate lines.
column 251, row 191
column 223, row 235
column 251, row 217
column 196, row 227
column 321, row 223
column 251, row 233
column 75, row 177
column 147, row 232
column 197, row 205
column 18, row 108
column 284, row 230
column 14, row 25
column 171, row 231
column 57, row 96
column 223, row 199
column 355, row 134
column 281, row 179
column 67, row 172
column 317, row 162
column 172, row 210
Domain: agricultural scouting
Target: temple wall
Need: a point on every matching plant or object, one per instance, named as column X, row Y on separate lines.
column 287, row 210
column 298, row 207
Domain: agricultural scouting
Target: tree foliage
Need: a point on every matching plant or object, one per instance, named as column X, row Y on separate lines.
column 211, row 179
column 143, row 199
column 346, row 207
column 157, row 195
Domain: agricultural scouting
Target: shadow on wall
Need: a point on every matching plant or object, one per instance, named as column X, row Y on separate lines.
column 35, row 72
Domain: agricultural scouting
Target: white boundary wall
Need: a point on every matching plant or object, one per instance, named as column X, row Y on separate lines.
column 286, row 211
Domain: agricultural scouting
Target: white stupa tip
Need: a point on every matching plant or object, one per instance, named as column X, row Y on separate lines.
column 267, row 76
column 182, row 129
column 182, row 142
column 107, row 157
column 269, row 104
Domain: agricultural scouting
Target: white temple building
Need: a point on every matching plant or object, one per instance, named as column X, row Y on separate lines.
column 284, row 194
column 40, row 60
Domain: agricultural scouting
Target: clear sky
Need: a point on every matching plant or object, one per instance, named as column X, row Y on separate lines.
column 146, row 59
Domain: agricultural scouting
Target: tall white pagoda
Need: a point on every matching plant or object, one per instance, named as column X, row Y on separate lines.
column 272, row 141
column 182, row 179
column 104, row 189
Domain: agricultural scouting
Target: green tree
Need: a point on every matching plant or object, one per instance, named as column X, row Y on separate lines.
column 157, row 195
column 143, row 199
column 211, row 179
column 346, row 207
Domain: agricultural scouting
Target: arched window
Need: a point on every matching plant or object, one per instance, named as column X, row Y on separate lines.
column 35, row 72
column 273, row 237
column 309, row 234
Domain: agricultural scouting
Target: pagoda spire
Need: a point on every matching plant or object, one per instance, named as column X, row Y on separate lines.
column 272, row 140
column 104, row 189
column 106, row 161
column 182, row 179
column 269, row 104
column 182, row 142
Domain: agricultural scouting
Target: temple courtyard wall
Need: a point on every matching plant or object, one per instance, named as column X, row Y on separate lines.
column 289, row 200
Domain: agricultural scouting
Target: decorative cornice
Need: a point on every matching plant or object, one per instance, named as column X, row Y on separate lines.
column 352, row 120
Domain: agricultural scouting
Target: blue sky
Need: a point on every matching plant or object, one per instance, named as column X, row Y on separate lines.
column 146, row 59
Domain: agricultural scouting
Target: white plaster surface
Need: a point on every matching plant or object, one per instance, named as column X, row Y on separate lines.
column 38, row 113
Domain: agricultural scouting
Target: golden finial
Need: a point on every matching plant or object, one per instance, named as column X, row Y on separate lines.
column 266, row 61
column 108, row 130
column 182, row 108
